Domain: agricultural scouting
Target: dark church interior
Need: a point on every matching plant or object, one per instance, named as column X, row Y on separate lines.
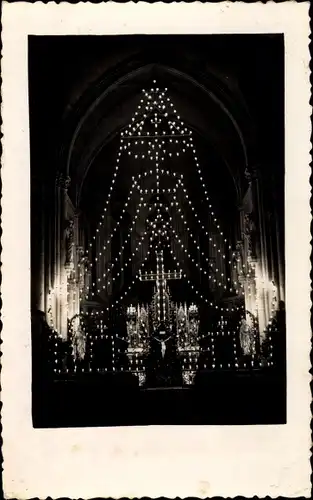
column 157, row 230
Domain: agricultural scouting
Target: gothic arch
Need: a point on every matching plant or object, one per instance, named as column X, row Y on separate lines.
column 234, row 155
column 209, row 105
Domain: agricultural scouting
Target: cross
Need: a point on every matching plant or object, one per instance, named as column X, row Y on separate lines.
column 160, row 277
column 163, row 343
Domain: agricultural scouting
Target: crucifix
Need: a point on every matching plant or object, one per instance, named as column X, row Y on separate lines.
column 163, row 343
column 160, row 277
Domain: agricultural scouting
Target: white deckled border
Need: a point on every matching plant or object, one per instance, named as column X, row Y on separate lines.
column 152, row 461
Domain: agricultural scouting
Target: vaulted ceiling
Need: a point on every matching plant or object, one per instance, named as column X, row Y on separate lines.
column 84, row 90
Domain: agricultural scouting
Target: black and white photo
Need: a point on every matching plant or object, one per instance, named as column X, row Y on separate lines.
column 155, row 250
column 157, row 229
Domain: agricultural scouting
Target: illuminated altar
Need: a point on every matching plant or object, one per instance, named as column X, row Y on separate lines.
column 159, row 323
column 147, row 336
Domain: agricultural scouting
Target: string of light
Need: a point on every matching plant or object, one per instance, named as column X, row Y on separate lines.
column 157, row 152
column 216, row 270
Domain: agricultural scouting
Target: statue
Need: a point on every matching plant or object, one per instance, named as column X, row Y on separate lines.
column 69, row 241
column 246, row 335
column 248, row 230
column 163, row 344
column 181, row 316
column 78, row 339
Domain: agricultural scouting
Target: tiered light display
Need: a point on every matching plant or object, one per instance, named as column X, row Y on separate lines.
column 153, row 154
column 153, row 148
column 181, row 132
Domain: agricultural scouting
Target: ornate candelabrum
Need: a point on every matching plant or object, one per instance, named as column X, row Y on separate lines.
column 188, row 348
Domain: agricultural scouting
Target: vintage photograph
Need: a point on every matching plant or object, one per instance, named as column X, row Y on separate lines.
column 157, row 177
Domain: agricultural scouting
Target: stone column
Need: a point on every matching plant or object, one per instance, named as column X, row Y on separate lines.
column 78, row 254
column 279, row 254
column 254, row 271
column 70, row 296
column 262, row 257
column 62, row 184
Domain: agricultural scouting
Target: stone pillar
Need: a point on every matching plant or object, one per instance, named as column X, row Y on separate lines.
column 280, row 262
column 56, row 266
column 78, row 256
column 60, row 278
column 74, row 284
column 253, row 251
column 262, row 258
